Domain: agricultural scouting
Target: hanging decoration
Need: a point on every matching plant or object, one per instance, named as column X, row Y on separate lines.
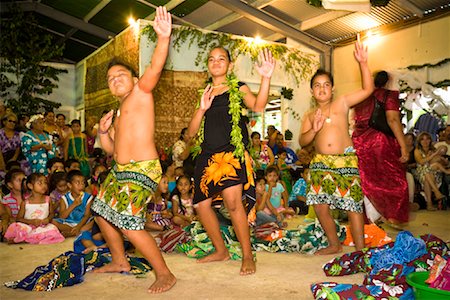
column 296, row 63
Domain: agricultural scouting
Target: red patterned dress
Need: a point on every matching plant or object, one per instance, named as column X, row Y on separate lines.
column 383, row 177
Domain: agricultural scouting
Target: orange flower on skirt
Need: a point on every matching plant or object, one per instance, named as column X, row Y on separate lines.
column 221, row 166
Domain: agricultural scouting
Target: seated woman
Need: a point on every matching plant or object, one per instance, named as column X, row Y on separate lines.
column 429, row 168
column 261, row 154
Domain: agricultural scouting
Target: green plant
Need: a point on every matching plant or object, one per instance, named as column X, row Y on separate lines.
column 288, row 135
column 24, row 80
column 287, row 93
column 298, row 64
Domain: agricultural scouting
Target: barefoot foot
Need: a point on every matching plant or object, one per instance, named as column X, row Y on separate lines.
column 162, row 283
column 329, row 250
column 248, row 266
column 215, row 256
column 113, row 268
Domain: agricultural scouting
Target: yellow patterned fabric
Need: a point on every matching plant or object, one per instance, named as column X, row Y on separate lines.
column 125, row 193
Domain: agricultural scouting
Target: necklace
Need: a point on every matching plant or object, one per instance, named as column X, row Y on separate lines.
column 216, row 86
column 328, row 119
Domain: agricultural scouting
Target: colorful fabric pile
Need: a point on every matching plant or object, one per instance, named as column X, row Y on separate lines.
column 69, row 268
column 385, row 267
column 269, row 237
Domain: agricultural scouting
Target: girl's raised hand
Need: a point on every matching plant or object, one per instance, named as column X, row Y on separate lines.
column 163, row 22
column 361, row 53
column 265, row 64
column 207, row 98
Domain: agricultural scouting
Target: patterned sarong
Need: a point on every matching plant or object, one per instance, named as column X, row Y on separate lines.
column 218, row 171
column 125, row 193
column 335, row 181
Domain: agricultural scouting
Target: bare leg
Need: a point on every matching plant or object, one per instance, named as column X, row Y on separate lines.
column 113, row 238
column 146, row 245
column 233, row 201
column 357, row 229
column 209, row 221
column 65, row 230
column 149, row 225
column 328, row 225
column 428, row 194
column 432, row 182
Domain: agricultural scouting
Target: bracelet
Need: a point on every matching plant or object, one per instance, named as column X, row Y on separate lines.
column 102, row 132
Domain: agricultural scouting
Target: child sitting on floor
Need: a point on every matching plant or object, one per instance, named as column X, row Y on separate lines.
column 158, row 217
column 265, row 212
column 90, row 239
column 12, row 201
column 75, row 206
column 94, row 184
column 297, row 199
column 277, row 193
column 58, row 188
column 36, row 212
column 182, row 205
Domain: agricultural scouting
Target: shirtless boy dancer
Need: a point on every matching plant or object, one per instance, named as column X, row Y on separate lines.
column 123, row 197
column 334, row 172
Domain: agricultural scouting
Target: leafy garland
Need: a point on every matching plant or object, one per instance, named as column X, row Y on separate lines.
column 438, row 64
column 235, row 110
column 298, row 64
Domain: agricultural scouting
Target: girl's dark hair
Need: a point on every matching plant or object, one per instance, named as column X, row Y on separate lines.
column 116, row 62
column 177, row 193
column 59, row 115
column 75, row 121
column 12, row 174
column 102, row 176
column 271, row 169
column 182, row 133
column 381, row 78
column 53, row 161
column 221, row 47
column 56, row 178
column 254, row 133
column 319, row 73
column 30, row 179
column 165, row 164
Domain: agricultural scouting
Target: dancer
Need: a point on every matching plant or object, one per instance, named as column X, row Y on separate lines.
column 335, row 181
column 224, row 167
column 131, row 142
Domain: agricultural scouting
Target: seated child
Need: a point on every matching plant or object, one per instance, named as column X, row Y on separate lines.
column 158, row 217
column 72, row 164
column 55, row 164
column 297, row 199
column 94, row 184
column 36, row 212
column 182, row 205
column 75, row 206
column 58, row 188
column 265, row 212
column 12, row 201
column 277, row 193
column 89, row 239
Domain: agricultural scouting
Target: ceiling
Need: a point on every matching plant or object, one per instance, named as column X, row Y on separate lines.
column 85, row 25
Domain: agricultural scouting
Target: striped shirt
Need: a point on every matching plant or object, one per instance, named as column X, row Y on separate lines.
column 13, row 204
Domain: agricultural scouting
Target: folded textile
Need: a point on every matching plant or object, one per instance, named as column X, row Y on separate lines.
column 69, row 268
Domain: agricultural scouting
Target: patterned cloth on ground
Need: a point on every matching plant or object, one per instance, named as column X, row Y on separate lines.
column 268, row 237
column 69, row 268
column 385, row 267
column 125, row 193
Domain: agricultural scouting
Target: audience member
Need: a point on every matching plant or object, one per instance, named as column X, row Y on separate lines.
column 10, row 144
column 58, row 188
column 13, row 200
column 75, row 206
column 75, row 147
column 37, row 146
column 158, row 215
column 261, row 154
column 297, row 199
column 181, row 149
column 182, row 205
column 89, row 239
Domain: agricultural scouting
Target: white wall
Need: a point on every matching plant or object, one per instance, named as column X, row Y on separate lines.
column 424, row 43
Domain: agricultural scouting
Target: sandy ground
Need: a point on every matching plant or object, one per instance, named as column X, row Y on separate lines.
column 279, row 275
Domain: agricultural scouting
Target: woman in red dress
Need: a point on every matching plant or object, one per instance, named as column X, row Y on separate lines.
column 381, row 156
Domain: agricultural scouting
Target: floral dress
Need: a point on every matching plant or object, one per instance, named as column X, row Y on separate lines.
column 422, row 170
column 37, row 158
column 8, row 147
column 260, row 157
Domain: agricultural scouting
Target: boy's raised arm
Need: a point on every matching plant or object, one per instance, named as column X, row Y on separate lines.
column 163, row 28
column 361, row 55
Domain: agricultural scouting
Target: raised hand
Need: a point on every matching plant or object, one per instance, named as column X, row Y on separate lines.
column 361, row 53
column 163, row 22
column 106, row 121
column 318, row 121
column 265, row 64
column 207, row 98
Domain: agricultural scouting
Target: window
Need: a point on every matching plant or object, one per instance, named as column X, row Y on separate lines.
column 271, row 116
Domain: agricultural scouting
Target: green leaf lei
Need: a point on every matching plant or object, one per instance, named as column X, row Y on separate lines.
column 235, row 110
